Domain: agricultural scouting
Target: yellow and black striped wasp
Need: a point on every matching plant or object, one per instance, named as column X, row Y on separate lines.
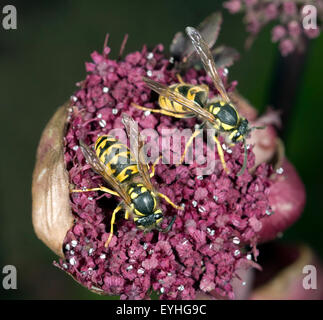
column 128, row 174
column 185, row 100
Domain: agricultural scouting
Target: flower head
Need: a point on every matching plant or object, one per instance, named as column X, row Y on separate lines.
column 222, row 212
column 215, row 235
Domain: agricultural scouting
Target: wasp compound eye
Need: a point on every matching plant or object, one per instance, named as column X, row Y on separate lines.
column 158, row 216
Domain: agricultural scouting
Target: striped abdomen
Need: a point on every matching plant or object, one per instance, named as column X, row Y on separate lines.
column 198, row 94
column 117, row 158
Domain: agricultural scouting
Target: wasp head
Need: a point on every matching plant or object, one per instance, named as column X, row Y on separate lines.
column 240, row 132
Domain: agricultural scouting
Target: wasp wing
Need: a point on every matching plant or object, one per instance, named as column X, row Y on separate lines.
column 224, row 56
column 100, row 169
column 179, row 98
column 206, row 56
column 137, row 148
column 182, row 49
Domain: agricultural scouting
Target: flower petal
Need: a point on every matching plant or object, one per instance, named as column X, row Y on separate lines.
column 287, row 200
column 51, row 211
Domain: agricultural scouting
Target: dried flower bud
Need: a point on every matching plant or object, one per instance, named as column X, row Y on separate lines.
column 52, row 216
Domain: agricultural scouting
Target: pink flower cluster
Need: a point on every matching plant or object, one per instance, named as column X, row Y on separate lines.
column 212, row 238
column 289, row 14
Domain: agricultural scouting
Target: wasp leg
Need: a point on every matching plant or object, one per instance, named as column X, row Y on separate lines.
column 170, row 225
column 164, row 112
column 179, row 78
column 245, row 159
column 153, row 167
column 195, row 134
column 127, row 214
column 169, row 201
column 103, row 189
column 113, row 219
column 221, row 154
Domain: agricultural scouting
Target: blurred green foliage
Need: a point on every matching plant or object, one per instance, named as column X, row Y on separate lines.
column 40, row 63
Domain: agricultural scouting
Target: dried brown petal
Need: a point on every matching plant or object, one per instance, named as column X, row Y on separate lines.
column 51, row 212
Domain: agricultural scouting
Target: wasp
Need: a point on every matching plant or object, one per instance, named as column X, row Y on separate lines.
column 185, row 100
column 126, row 171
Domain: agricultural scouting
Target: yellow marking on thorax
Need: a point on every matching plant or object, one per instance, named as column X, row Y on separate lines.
column 138, row 213
column 214, row 110
column 143, row 189
column 154, row 197
column 227, row 127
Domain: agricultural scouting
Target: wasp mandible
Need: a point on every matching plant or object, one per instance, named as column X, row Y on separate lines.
column 126, row 171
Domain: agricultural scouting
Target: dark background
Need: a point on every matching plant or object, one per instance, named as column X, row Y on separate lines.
column 40, row 63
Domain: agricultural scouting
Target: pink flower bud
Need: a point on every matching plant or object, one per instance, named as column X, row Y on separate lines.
column 233, row 5
column 289, row 8
column 286, row 46
column 312, row 33
column 271, row 11
column 278, row 32
column 294, row 28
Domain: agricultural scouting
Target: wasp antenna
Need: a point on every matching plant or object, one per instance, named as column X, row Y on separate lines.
column 244, row 159
column 259, row 128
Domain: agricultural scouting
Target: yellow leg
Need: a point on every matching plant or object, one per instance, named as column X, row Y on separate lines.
column 195, row 134
column 127, row 214
column 180, row 79
column 103, row 189
column 153, row 167
column 164, row 112
column 221, row 154
column 113, row 219
column 169, row 201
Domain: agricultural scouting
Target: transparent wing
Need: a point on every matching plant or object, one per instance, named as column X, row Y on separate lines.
column 179, row 98
column 137, row 148
column 99, row 168
column 206, row 56
column 182, row 48
column 224, row 56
